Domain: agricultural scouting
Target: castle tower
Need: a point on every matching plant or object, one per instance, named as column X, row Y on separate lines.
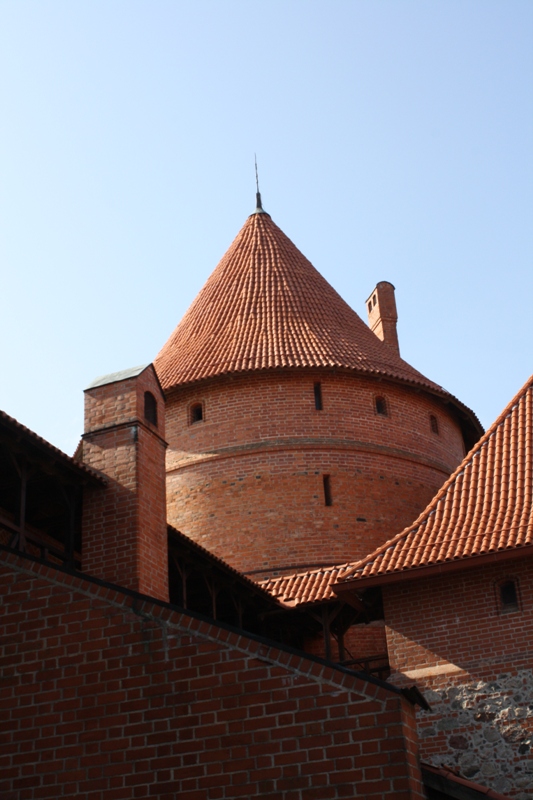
column 124, row 527
column 297, row 437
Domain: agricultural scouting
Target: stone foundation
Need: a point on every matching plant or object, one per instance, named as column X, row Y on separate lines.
column 485, row 730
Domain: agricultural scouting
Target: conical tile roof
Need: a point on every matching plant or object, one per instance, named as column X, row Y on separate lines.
column 265, row 307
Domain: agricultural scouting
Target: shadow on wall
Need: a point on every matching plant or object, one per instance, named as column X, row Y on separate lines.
column 466, row 639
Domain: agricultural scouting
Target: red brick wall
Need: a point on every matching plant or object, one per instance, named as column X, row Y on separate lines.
column 365, row 641
column 361, row 642
column 247, row 481
column 475, row 666
column 124, row 532
column 108, row 697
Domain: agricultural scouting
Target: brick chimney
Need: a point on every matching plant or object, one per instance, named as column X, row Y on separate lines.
column 382, row 314
column 124, row 527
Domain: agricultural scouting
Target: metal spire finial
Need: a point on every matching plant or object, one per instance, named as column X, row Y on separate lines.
column 259, row 206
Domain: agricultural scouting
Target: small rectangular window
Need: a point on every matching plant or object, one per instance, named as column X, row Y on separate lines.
column 327, row 490
column 150, row 408
column 318, row 396
column 381, row 406
column 196, row 413
column 508, row 596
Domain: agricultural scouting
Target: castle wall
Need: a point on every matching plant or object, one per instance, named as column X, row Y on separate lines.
column 473, row 660
column 109, row 696
column 247, row 481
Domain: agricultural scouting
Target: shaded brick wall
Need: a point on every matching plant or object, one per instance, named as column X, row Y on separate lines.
column 474, row 664
column 361, row 642
column 247, row 481
column 106, row 696
column 124, row 529
column 365, row 641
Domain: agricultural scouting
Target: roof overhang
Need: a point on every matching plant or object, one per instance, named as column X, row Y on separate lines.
column 19, row 439
column 343, row 588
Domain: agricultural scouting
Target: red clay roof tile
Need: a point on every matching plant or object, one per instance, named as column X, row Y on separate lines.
column 486, row 506
column 266, row 307
column 305, row 587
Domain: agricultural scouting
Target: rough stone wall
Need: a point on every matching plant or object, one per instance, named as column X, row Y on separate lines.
column 474, row 663
column 106, row 696
column 247, row 482
column 484, row 727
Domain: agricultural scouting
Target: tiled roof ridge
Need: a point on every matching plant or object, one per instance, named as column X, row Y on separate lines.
column 265, row 306
column 431, row 509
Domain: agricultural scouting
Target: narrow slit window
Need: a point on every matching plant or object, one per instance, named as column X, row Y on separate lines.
column 196, row 413
column 150, row 408
column 508, row 596
column 381, row 406
column 327, row 490
column 370, row 305
column 434, row 423
column 318, row 396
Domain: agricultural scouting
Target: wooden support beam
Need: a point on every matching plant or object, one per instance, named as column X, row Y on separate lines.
column 326, row 631
column 184, row 574
column 22, row 508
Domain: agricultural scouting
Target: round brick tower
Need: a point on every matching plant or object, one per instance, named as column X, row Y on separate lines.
column 297, row 436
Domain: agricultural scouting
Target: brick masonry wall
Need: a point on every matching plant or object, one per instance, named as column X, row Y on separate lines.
column 107, row 697
column 124, row 528
column 361, row 642
column 474, row 665
column 366, row 641
column 247, row 481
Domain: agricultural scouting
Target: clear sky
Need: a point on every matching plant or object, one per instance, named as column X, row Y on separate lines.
column 394, row 141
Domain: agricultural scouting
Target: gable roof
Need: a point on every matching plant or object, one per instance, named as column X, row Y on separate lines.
column 266, row 307
column 484, row 509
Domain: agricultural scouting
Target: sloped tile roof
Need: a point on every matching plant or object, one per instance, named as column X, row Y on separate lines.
column 264, row 307
column 185, row 543
column 12, row 428
column 484, row 508
column 305, row 587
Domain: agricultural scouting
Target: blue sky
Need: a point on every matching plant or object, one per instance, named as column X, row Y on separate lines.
column 394, row 141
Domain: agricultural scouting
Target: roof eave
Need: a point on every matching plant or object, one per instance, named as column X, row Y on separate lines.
column 463, row 410
column 431, row 570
